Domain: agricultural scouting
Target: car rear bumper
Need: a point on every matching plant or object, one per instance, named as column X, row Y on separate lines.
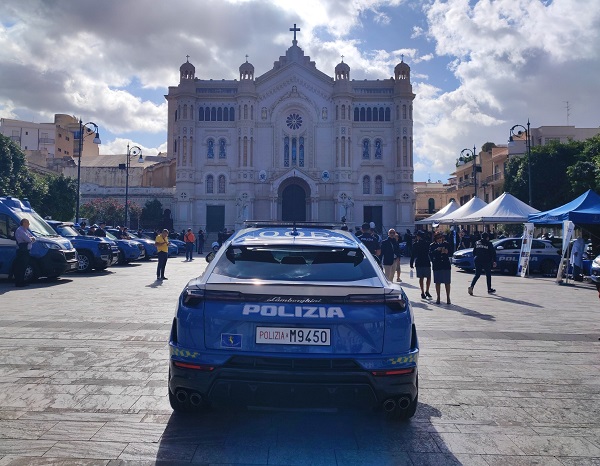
column 258, row 382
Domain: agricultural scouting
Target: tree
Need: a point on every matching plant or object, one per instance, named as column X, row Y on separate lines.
column 60, row 199
column 488, row 146
column 152, row 214
column 13, row 172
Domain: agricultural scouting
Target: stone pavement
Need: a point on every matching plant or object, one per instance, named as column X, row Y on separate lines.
column 505, row 379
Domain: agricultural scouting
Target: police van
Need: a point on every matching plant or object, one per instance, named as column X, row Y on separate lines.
column 298, row 316
column 50, row 255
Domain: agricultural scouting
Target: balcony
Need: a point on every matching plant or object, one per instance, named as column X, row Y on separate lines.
column 46, row 140
column 465, row 183
column 498, row 176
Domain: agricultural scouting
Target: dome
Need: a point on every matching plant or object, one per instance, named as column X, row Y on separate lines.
column 402, row 71
column 342, row 71
column 187, row 70
column 246, row 70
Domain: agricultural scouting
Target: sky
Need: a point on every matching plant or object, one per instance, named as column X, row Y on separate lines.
column 478, row 67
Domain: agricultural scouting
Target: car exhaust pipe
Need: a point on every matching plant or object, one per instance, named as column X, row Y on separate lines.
column 181, row 396
column 195, row 399
column 389, row 405
column 403, row 402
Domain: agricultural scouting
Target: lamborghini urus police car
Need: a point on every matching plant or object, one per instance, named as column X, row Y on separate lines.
column 294, row 316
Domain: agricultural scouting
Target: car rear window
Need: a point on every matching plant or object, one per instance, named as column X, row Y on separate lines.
column 295, row 263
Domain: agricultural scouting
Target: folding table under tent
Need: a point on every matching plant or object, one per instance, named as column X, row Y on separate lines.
column 448, row 208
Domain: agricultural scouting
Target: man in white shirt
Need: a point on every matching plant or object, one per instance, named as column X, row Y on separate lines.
column 25, row 240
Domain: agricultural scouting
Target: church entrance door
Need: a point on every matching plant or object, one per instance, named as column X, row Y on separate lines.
column 373, row 213
column 215, row 218
column 293, row 203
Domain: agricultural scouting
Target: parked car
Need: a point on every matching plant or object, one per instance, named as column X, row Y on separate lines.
column 180, row 245
column 50, row 255
column 92, row 252
column 149, row 246
column 294, row 316
column 595, row 270
column 129, row 250
column 544, row 257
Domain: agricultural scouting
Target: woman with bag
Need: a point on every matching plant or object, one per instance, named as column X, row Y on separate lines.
column 440, row 252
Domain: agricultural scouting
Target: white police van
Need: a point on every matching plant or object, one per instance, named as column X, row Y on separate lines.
column 50, row 255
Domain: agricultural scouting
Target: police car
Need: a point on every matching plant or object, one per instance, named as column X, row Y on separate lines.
column 296, row 316
column 544, row 257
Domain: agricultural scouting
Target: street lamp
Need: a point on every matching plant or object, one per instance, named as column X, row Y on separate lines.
column 135, row 151
column 511, row 143
column 96, row 141
column 476, row 168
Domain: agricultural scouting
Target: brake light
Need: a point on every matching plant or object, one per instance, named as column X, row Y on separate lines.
column 395, row 303
column 198, row 367
column 393, row 372
column 193, row 297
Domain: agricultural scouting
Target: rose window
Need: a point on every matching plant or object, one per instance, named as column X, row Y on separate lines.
column 294, row 121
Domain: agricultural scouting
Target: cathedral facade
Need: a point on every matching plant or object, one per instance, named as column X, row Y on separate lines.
column 292, row 144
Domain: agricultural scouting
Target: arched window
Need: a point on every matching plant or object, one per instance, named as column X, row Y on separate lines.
column 404, row 152
column 219, row 114
column 397, row 112
column 210, row 149
column 362, row 114
column 378, row 184
column 175, row 115
column 381, row 114
column 252, row 112
column 294, row 150
column 207, row 114
column 369, row 114
column 210, row 184
column 378, row 149
column 410, row 112
column 404, row 112
column 221, row 185
column 245, row 112
column 231, row 114
column 301, row 153
column 387, row 114
column 226, row 114
column 375, row 114
column 222, row 146
column 185, row 112
column 201, row 114
column 286, row 152
column 366, row 149
column 343, row 112
column 213, row 114
column 366, row 184
column 175, row 146
column 431, row 205
column 356, row 114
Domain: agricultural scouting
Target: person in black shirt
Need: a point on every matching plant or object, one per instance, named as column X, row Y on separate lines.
column 390, row 250
column 484, row 255
column 370, row 240
column 420, row 257
column 440, row 252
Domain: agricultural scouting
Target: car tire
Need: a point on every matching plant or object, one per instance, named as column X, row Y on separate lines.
column 121, row 260
column 85, row 262
column 32, row 272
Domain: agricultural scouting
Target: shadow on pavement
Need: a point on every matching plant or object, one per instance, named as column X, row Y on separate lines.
column 9, row 285
column 303, row 437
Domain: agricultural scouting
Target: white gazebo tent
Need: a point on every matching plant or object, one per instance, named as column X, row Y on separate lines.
column 471, row 207
column 448, row 208
column 505, row 209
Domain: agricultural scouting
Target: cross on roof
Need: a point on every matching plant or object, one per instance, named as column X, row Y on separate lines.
column 342, row 59
column 187, row 57
column 247, row 58
column 294, row 30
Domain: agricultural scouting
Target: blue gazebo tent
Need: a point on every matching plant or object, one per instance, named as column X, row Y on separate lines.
column 584, row 210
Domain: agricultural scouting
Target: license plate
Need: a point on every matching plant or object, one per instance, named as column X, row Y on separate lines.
column 293, row 336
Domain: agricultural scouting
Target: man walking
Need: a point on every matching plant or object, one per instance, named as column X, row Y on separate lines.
column 25, row 240
column 389, row 252
column 370, row 240
column 162, row 244
column 189, row 240
column 420, row 257
column 484, row 255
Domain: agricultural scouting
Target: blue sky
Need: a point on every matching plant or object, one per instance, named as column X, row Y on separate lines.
column 478, row 67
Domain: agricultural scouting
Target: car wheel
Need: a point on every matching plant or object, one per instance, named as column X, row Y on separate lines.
column 85, row 262
column 31, row 273
column 548, row 267
column 121, row 260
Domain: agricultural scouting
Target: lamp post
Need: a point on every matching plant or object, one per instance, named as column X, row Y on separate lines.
column 511, row 143
column 136, row 151
column 96, row 141
column 476, row 168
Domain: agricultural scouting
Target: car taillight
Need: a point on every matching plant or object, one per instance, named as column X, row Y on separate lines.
column 198, row 367
column 395, row 303
column 193, row 297
column 393, row 372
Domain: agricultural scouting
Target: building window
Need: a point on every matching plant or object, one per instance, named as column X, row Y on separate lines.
column 210, row 184
column 387, row 114
column 378, row 184
column 431, row 205
column 366, row 184
column 210, row 151
column 381, row 114
column 200, row 114
column 231, row 114
column 294, row 151
column 245, row 112
column 222, row 145
column 221, row 186
column 404, row 152
column 378, row 149
column 366, row 151
column 356, row 112
column 219, row 114
column 286, row 152
column 294, row 121
column 301, row 153
column 343, row 112
column 404, row 112
column 185, row 112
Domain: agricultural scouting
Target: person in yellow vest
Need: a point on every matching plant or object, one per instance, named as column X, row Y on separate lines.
column 189, row 240
column 162, row 244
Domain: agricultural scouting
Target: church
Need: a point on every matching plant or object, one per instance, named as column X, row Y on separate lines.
column 293, row 144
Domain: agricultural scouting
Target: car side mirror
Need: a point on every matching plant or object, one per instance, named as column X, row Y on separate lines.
column 499, row 248
column 210, row 256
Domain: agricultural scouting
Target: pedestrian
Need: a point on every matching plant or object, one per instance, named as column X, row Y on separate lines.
column 420, row 258
column 389, row 253
column 408, row 239
column 162, row 244
column 484, row 256
column 440, row 252
column 397, row 261
column 101, row 230
column 576, row 258
column 189, row 239
column 200, row 238
column 24, row 239
column 370, row 240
